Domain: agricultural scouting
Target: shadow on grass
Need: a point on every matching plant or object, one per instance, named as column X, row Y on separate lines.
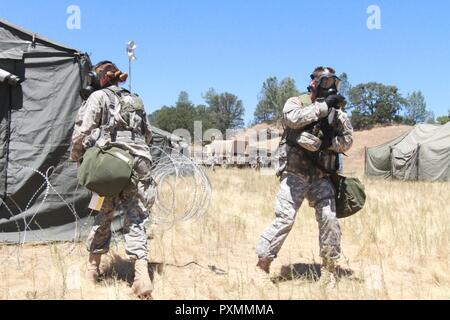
column 308, row 272
column 122, row 269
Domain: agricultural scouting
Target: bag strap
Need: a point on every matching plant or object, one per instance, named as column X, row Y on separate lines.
column 110, row 124
column 116, row 92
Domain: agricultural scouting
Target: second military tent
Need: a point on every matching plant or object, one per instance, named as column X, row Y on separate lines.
column 422, row 154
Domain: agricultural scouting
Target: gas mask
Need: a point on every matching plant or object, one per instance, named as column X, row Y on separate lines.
column 328, row 84
column 93, row 80
column 92, row 85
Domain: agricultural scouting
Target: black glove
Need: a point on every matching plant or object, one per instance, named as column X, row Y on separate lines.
column 327, row 142
column 335, row 101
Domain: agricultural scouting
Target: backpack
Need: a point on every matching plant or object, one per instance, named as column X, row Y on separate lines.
column 131, row 107
column 108, row 170
column 350, row 195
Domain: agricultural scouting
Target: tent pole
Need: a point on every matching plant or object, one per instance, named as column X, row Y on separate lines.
column 390, row 160
column 129, row 72
column 7, row 137
column 417, row 162
column 365, row 160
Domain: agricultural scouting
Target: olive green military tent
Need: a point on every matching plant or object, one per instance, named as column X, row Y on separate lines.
column 40, row 199
column 422, row 154
column 164, row 142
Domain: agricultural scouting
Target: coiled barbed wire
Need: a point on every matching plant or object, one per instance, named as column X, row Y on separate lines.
column 183, row 192
column 45, row 187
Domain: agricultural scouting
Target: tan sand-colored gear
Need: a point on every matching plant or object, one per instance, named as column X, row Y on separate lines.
column 328, row 274
column 142, row 285
column 93, row 268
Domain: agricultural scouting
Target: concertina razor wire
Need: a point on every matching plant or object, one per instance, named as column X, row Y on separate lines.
column 183, row 192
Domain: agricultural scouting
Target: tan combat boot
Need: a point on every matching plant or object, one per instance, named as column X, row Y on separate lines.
column 261, row 276
column 142, row 285
column 264, row 265
column 328, row 274
column 93, row 268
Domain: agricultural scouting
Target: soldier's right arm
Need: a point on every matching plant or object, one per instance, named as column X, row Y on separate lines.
column 297, row 115
column 88, row 119
column 343, row 141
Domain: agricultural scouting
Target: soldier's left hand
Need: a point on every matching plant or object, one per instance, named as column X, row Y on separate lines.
column 327, row 142
column 336, row 101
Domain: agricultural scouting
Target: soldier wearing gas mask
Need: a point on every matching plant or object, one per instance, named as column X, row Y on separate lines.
column 316, row 131
column 113, row 117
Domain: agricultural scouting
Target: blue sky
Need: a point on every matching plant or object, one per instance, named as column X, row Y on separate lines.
column 235, row 45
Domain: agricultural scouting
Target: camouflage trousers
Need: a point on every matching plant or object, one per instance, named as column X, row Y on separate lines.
column 133, row 204
column 293, row 190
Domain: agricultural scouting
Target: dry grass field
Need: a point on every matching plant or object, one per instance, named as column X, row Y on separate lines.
column 397, row 248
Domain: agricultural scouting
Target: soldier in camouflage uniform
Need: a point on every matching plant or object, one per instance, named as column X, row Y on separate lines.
column 112, row 116
column 212, row 161
column 316, row 132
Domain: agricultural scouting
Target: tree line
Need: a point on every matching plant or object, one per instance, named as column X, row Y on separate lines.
column 221, row 111
column 369, row 104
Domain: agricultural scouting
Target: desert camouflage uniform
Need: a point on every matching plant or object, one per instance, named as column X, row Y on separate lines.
column 212, row 162
column 93, row 127
column 301, row 179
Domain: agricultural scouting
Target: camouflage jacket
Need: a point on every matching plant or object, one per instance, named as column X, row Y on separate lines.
column 93, row 127
column 300, row 113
